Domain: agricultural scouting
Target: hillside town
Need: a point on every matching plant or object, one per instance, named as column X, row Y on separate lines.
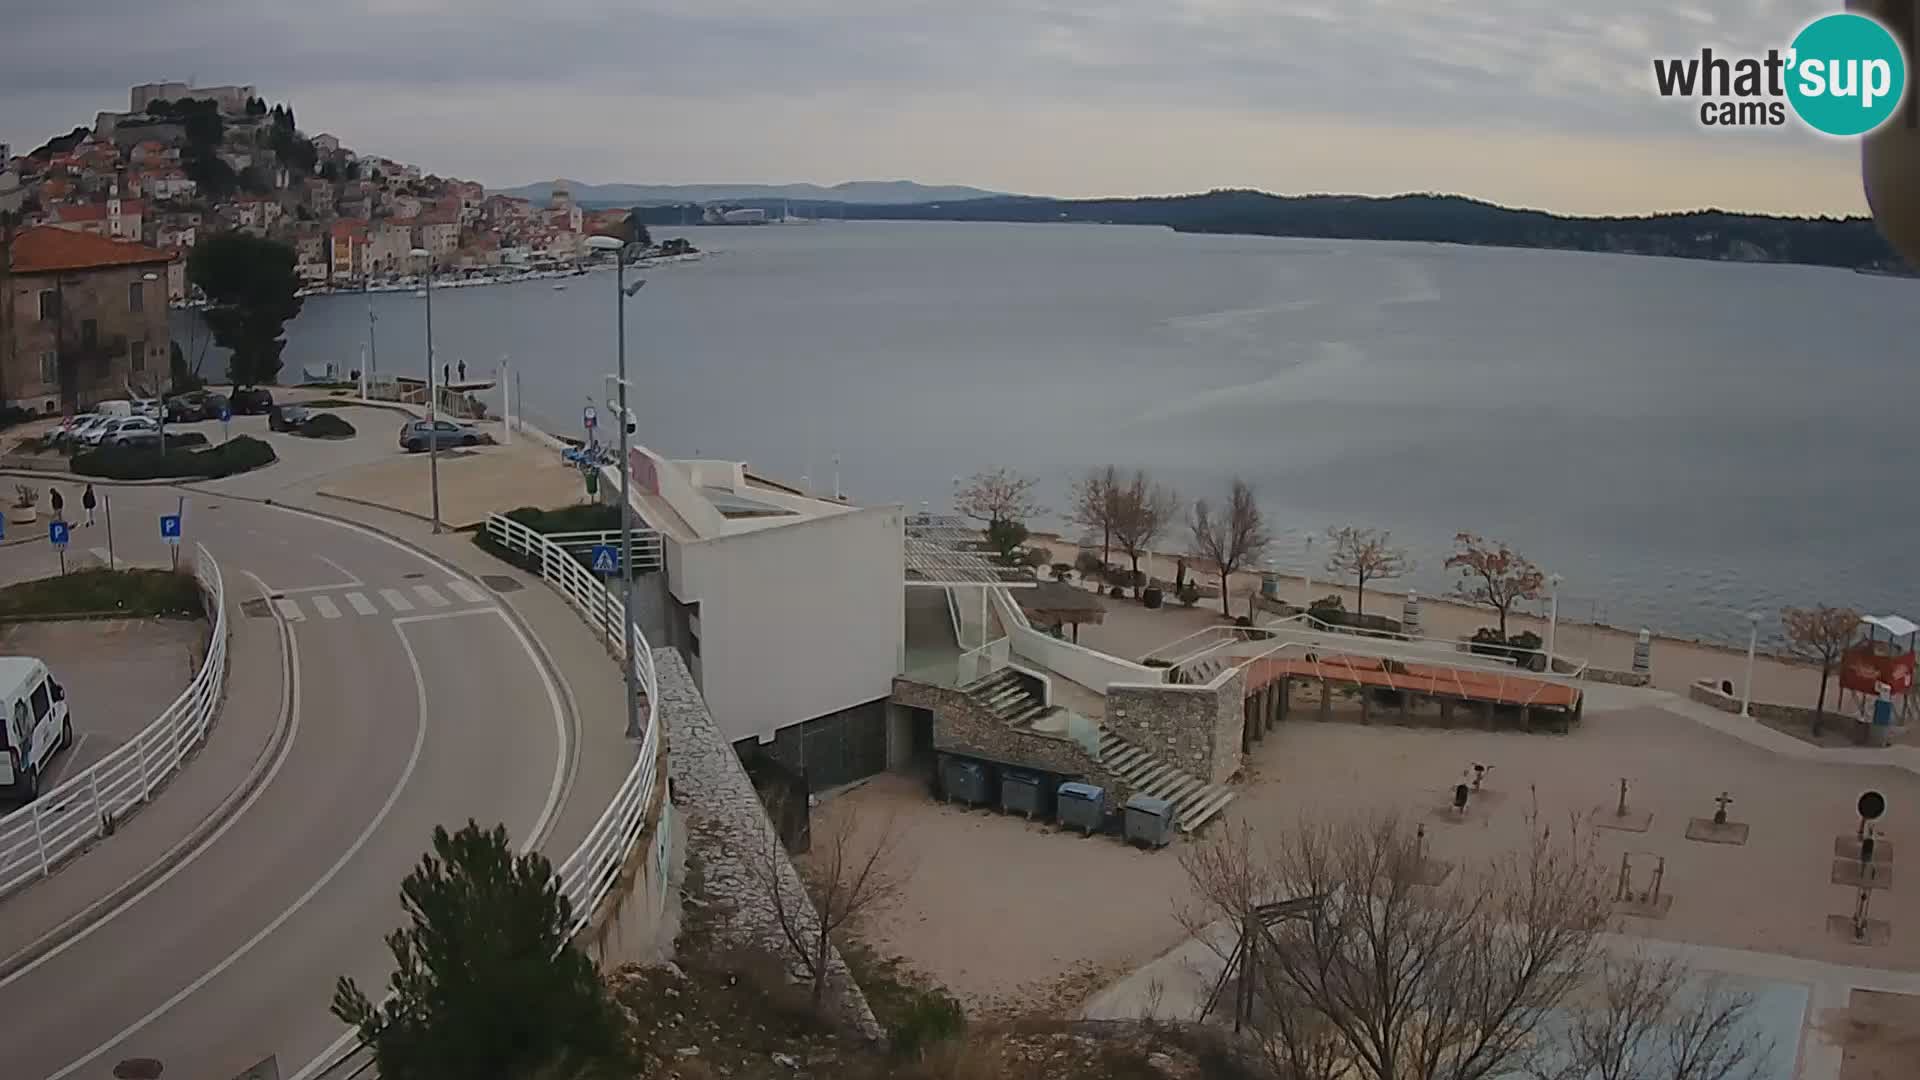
column 183, row 162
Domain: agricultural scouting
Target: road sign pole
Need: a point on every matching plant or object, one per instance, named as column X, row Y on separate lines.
column 106, row 507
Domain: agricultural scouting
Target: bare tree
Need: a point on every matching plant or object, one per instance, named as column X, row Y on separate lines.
column 1231, row 538
column 1365, row 555
column 848, row 873
column 1388, row 978
column 1096, row 505
column 997, row 497
column 1143, row 510
column 1494, row 575
column 1652, row 1017
column 1823, row 634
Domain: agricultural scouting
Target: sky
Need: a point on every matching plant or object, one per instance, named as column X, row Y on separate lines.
column 1537, row 103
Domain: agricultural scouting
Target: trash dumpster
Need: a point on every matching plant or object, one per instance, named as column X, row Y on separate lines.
column 968, row 781
column 1083, row 807
column 1150, row 821
column 1023, row 793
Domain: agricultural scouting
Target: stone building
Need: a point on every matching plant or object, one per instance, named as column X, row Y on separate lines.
column 81, row 318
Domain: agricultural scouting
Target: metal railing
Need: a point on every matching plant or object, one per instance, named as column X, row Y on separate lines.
column 588, row 875
column 89, row 804
column 648, row 550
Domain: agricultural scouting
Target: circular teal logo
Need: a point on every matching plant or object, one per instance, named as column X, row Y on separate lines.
column 1847, row 74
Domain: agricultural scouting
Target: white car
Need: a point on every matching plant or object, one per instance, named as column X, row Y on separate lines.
column 148, row 407
column 122, row 431
column 77, row 427
column 33, row 724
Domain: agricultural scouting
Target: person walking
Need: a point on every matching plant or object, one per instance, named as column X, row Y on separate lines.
column 463, row 371
column 59, row 504
column 446, row 374
column 87, row 503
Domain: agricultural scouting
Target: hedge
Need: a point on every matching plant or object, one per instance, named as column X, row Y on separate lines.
column 148, row 463
column 133, row 593
column 325, row 426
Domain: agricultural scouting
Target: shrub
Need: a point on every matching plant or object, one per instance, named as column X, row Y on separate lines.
column 1522, row 648
column 931, row 1018
column 1330, row 602
column 1035, row 558
column 1189, row 594
column 325, row 426
column 1117, row 592
column 25, row 495
column 1088, row 564
column 238, row 455
column 130, row 593
column 1061, row 570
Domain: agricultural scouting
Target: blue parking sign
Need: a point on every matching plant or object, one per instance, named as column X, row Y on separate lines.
column 605, row 559
column 170, row 528
column 57, row 533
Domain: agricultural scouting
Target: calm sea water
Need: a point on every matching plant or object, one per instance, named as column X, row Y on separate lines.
column 1682, row 441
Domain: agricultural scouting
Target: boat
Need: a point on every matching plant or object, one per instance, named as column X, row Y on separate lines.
column 560, row 287
column 418, row 293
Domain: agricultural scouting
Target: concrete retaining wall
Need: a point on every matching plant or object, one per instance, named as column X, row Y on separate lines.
column 1708, row 694
column 1198, row 728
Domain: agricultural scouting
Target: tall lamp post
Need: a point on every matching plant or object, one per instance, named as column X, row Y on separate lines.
column 1753, row 640
column 1553, row 614
column 433, row 395
column 621, row 293
column 165, row 381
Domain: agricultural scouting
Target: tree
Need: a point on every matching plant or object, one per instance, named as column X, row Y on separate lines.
column 1096, row 505
column 1821, row 634
column 487, row 980
column 1365, row 555
column 1142, row 512
column 1230, row 539
column 1654, row 1018
column 1493, row 575
column 998, row 495
column 1005, row 538
column 634, row 228
column 846, row 875
column 250, row 285
column 1382, row 975
column 180, row 377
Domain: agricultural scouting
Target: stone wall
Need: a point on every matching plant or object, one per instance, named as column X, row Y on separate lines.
column 1707, row 693
column 962, row 727
column 1563, row 666
column 728, row 827
column 1197, row 728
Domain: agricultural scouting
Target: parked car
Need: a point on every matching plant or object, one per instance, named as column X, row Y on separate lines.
column 188, row 407
column 288, row 417
column 77, row 426
column 252, row 401
column 134, row 431
column 35, row 725
column 148, row 407
column 215, row 405
column 417, row 435
column 123, row 431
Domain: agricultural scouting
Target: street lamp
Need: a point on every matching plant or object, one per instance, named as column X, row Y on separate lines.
column 165, row 381
column 1306, row 598
column 1553, row 614
column 433, row 395
column 621, row 294
column 1753, row 639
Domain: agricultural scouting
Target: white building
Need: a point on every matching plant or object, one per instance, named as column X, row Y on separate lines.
column 789, row 607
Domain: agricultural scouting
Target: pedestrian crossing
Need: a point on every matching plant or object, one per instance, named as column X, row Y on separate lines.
column 378, row 602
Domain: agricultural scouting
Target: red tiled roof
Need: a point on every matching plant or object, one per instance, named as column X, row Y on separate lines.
column 46, row 249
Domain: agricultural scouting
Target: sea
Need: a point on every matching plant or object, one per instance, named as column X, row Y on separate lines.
column 1683, row 442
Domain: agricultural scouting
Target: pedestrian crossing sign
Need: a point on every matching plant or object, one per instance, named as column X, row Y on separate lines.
column 605, row 559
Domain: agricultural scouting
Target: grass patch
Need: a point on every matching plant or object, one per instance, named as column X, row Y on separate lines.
column 918, row 1013
column 238, row 455
column 325, row 426
column 129, row 593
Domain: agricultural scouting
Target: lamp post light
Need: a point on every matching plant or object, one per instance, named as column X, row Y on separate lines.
column 1553, row 614
column 165, row 381
column 433, row 395
column 621, row 294
column 1306, row 590
column 1753, row 640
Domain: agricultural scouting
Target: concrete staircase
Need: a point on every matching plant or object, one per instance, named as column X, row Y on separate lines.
column 1007, row 695
column 1194, row 800
column 1199, row 672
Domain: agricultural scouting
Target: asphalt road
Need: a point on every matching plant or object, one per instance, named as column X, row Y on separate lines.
column 414, row 702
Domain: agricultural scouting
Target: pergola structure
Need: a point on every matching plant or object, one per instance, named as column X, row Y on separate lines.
column 1056, row 604
column 943, row 552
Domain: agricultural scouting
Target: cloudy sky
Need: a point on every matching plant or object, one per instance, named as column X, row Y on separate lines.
column 1526, row 102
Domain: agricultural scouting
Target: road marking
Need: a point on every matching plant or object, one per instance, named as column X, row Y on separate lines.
column 466, row 592
column 442, row 616
column 291, row 706
column 406, row 774
column 431, row 595
column 325, row 607
column 65, row 764
column 105, row 556
column 360, row 604
column 344, row 572
column 290, row 609
column 396, row 599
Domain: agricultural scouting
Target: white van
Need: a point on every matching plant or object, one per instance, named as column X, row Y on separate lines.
column 33, row 724
column 115, row 408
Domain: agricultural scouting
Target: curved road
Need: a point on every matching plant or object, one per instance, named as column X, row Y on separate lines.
column 413, row 701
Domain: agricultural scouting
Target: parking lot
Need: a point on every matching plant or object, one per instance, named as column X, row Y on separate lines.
column 119, row 674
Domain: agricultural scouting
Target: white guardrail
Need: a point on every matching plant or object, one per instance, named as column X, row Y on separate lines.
column 34, row 838
column 589, row 873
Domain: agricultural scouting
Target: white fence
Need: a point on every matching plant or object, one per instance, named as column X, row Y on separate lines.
column 589, row 873
column 34, row 838
column 648, row 552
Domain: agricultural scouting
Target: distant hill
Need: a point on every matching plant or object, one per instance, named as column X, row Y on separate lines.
column 1852, row 243
column 868, row 192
